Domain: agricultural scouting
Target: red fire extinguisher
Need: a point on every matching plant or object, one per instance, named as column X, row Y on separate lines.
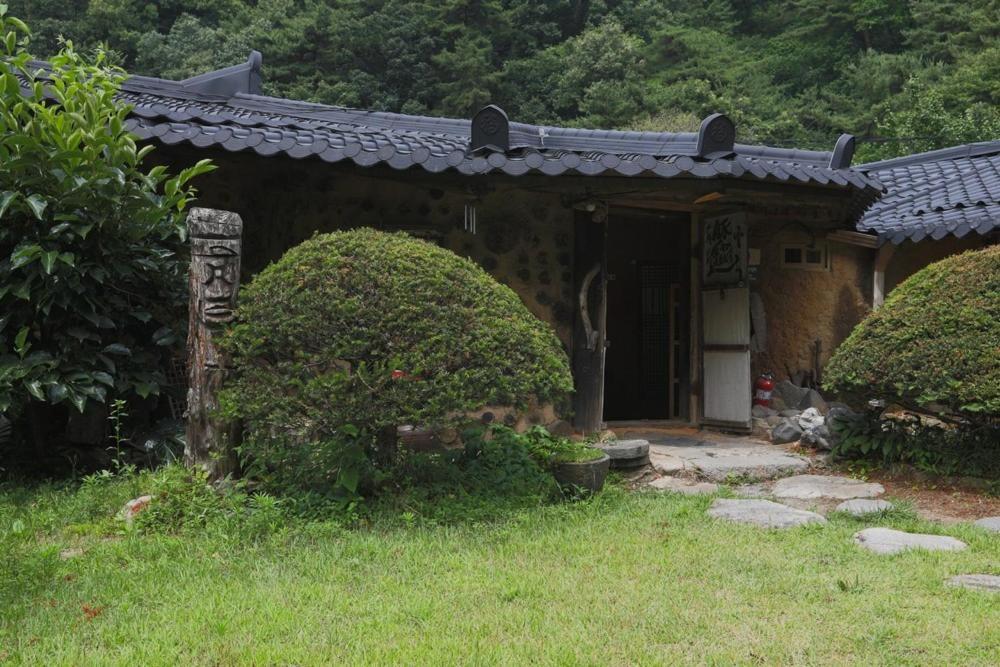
column 762, row 389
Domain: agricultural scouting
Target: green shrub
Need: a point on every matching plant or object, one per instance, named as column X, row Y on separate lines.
column 90, row 277
column 927, row 444
column 935, row 344
column 550, row 449
column 353, row 332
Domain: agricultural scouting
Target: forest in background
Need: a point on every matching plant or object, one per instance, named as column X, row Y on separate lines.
column 903, row 76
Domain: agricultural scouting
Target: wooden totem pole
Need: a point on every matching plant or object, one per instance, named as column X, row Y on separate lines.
column 214, row 281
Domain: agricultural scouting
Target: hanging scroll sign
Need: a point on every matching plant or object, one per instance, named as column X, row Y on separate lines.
column 724, row 251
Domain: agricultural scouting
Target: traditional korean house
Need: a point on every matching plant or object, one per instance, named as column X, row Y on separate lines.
column 936, row 204
column 674, row 266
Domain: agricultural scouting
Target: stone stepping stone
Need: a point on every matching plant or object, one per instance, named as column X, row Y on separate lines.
column 687, row 487
column 763, row 513
column 864, row 506
column 991, row 523
column 889, row 541
column 626, row 454
column 665, row 464
column 809, row 487
column 989, row 583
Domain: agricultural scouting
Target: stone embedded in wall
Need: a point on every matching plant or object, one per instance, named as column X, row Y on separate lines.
column 502, row 237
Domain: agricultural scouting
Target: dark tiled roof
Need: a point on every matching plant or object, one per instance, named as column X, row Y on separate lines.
column 224, row 109
column 930, row 195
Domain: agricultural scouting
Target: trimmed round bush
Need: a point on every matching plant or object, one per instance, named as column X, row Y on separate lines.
column 935, row 344
column 353, row 332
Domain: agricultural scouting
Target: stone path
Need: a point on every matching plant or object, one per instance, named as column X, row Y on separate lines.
column 864, row 506
column 763, row 513
column 809, row 487
column 698, row 463
column 687, row 487
column 722, row 459
column 991, row 523
column 989, row 583
column 888, row 541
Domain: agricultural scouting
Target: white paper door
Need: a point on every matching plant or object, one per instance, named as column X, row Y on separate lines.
column 726, row 322
column 726, row 355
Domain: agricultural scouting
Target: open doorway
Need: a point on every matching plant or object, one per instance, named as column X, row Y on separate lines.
column 647, row 374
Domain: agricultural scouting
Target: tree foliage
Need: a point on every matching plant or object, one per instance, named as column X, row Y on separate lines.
column 352, row 332
column 908, row 75
column 89, row 266
column 935, row 344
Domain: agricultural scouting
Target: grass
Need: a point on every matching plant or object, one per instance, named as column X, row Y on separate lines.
column 579, row 455
column 622, row 578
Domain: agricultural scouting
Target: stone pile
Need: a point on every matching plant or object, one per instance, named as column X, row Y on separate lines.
column 799, row 414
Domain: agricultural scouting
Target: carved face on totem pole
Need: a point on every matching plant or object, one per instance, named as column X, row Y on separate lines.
column 215, row 258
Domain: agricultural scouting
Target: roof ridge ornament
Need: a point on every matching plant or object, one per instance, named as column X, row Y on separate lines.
column 843, row 152
column 716, row 137
column 228, row 81
column 490, row 130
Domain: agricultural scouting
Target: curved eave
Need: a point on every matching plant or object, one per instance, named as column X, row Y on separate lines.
column 398, row 151
column 936, row 225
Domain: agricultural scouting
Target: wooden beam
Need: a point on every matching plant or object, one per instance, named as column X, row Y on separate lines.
column 853, row 238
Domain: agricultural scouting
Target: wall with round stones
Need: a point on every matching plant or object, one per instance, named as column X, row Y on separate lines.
column 522, row 238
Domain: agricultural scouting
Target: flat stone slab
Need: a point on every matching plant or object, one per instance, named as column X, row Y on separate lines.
column 763, row 513
column 808, row 487
column 989, row 523
column 889, row 541
column 626, row 453
column 625, row 449
column 724, row 459
column 989, row 583
column 752, row 491
column 665, row 464
column 864, row 506
column 687, row 487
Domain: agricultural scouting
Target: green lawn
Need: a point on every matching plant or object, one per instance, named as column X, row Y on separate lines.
column 626, row 578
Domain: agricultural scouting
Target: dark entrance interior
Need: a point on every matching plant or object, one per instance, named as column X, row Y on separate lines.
column 646, row 370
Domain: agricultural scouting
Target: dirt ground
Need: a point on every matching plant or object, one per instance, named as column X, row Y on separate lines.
column 938, row 499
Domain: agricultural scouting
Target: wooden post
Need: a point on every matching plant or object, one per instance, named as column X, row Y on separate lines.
column 214, row 282
column 882, row 257
column 590, row 329
column 694, row 363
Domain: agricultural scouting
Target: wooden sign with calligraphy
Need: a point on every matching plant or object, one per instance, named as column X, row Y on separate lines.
column 724, row 251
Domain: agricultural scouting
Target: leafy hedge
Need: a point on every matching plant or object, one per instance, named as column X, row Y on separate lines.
column 353, row 332
column 935, row 344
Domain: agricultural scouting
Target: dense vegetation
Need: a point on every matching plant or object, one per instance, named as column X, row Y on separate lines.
column 91, row 272
column 904, row 75
column 353, row 333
